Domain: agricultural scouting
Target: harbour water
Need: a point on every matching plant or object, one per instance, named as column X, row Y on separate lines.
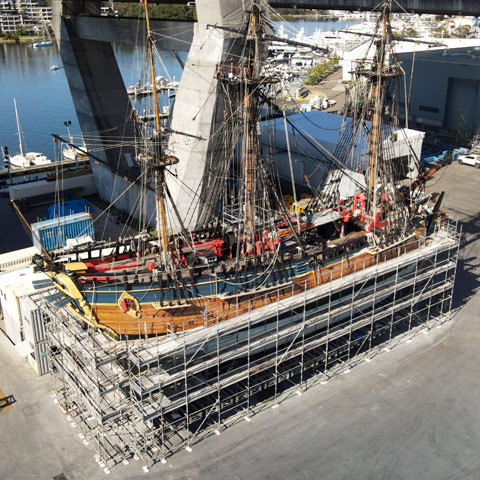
column 43, row 97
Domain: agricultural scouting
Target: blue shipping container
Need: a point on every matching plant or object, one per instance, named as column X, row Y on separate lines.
column 54, row 233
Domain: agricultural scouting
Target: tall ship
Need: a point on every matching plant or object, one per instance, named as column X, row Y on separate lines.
column 247, row 246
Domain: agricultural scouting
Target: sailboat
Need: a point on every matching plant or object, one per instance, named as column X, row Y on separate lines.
column 22, row 159
column 69, row 151
column 247, row 247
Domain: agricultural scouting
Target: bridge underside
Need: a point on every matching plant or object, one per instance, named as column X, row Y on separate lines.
column 438, row 7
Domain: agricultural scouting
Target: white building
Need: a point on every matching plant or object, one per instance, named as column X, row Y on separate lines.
column 23, row 13
column 314, row 132
column 22, row 319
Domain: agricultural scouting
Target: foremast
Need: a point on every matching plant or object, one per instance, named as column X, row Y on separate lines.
column 157, row 159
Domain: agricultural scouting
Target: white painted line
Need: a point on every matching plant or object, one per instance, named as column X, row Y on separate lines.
column 164, row 461
column 188, row 449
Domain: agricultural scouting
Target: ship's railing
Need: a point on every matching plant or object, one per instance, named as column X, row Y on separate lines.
column 318, row 276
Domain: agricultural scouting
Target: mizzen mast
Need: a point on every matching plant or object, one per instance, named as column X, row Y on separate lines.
column 385, row 207
column 377, row 73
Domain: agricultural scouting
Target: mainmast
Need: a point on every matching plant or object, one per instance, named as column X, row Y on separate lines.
column 158, row 160
column 252, row 80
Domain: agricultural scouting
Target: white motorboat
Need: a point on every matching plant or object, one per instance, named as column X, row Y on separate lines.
column 42, row 44
column 37, row 158
column 54, row 67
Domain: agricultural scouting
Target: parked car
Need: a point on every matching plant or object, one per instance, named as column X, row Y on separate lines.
column 473, row 160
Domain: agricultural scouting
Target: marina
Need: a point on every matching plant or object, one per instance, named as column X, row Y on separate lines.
column 214, row 255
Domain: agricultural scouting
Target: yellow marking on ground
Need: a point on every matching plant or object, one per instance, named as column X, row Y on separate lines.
column 3, row 402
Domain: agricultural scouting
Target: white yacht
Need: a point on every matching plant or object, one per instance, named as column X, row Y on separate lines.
column 22, row 159
column 37, row 158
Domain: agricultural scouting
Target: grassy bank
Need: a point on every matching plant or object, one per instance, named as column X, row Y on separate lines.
column 19, row 40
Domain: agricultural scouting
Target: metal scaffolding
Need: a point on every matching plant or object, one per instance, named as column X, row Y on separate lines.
column 148, row 398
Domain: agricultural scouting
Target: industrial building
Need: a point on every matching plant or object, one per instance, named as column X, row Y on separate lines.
column 445, row 87
column 313, row 135
column 443, row 83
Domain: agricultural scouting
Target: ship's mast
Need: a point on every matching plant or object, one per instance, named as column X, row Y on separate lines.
column 159, row 162
column 378, row 71
column 250, row 103
column 18, row 128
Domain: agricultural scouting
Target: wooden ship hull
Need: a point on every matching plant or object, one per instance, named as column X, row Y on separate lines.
column 142, row 309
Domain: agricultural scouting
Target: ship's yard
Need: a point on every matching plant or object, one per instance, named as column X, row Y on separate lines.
column 226, row 282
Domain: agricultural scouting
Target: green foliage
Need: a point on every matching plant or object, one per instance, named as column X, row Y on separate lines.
column 292, row 13
column 21, row 31
column 408, row 33
column 161, row 12
column 440, row 32
column 11, row 36
column 462, row 32
column 317, row 73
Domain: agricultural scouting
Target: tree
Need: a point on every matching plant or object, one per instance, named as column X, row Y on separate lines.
column 440, row 32
column 21, row 30
column 462, row 32
column 163, row 12
column 317, row 73
column 408, row 33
